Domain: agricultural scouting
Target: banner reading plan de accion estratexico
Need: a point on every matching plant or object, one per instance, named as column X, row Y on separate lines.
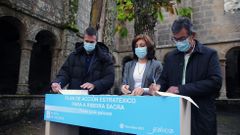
column 130, row 114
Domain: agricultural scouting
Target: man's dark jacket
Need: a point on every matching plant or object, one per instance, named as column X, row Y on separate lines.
column 100, row 71
column 203, row 82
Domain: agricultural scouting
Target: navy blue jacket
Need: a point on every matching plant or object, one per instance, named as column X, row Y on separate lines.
column 100, row 71
column 203, row 82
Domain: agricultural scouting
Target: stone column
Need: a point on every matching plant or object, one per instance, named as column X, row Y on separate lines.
column 55, row 62
column 223, row 91
column 118, row 74
column 117, row 83
column 24, row 67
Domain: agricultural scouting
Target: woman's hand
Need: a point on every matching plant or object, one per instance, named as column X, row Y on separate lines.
column 125, row 89
column 153, row 88
column 138, row 91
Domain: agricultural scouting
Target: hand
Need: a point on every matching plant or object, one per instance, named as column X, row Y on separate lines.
column 153, row 88
column 173, row 89
column 56, row 87
column 138, row 91
column 88, row 86
column 125, row 89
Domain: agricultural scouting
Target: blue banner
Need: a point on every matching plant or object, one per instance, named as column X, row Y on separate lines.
column 142, row 115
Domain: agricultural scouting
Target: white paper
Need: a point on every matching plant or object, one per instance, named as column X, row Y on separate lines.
column 175, row 95
column 74, row 92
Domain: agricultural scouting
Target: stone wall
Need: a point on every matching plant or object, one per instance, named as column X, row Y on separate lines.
column 32, row 18
column 50, row 11
column 83, row 15
column 123, row 49
column 211, row 24
column 13, row 108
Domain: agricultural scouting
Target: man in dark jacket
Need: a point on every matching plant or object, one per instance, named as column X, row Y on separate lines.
column 89, row 67
column 193, row 70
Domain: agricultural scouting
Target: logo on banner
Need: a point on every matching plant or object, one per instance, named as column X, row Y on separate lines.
column 48, row 114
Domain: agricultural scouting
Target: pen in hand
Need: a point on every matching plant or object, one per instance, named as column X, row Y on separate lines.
column 154, row 81
column 60, row 88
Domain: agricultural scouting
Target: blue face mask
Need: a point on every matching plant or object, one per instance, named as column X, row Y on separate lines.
column 89, row 46
column 141, row 52
column 183, row 46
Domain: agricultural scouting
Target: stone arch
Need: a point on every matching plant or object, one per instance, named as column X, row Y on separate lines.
column 22, row 23
column 33, row 30
column 41, row 62
column 11, row 34
column 233, row 72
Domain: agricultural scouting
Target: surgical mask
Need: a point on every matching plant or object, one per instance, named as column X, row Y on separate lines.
column 89, row 46
column 141, row 52
column 183, row 46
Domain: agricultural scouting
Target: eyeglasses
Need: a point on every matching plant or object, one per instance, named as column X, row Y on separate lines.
column 174, row 39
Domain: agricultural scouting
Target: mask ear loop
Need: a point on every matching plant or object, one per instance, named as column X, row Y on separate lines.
column 191, row 35
column 192, row 42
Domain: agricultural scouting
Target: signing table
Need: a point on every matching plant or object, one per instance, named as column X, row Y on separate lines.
column 142, row 115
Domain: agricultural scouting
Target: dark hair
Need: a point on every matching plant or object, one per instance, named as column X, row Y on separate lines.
column 91, row 31
column 149, row 43
column 182, row 22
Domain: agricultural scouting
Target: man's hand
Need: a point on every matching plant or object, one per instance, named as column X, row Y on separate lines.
column 138, row 91
column 173, row 89
column 125, row 89
column 153, row 88
column 88, row 86
column 56, row 87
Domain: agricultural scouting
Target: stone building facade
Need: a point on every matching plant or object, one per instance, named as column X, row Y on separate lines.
column 41, row 23
column 215, row 28
column 42, row 42
column 34, row 43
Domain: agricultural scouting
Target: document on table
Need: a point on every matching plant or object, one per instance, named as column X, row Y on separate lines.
column 74, row 92
column 158, row 93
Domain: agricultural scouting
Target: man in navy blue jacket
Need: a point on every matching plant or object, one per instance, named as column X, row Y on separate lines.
column 193, row 70
column 89, row 67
